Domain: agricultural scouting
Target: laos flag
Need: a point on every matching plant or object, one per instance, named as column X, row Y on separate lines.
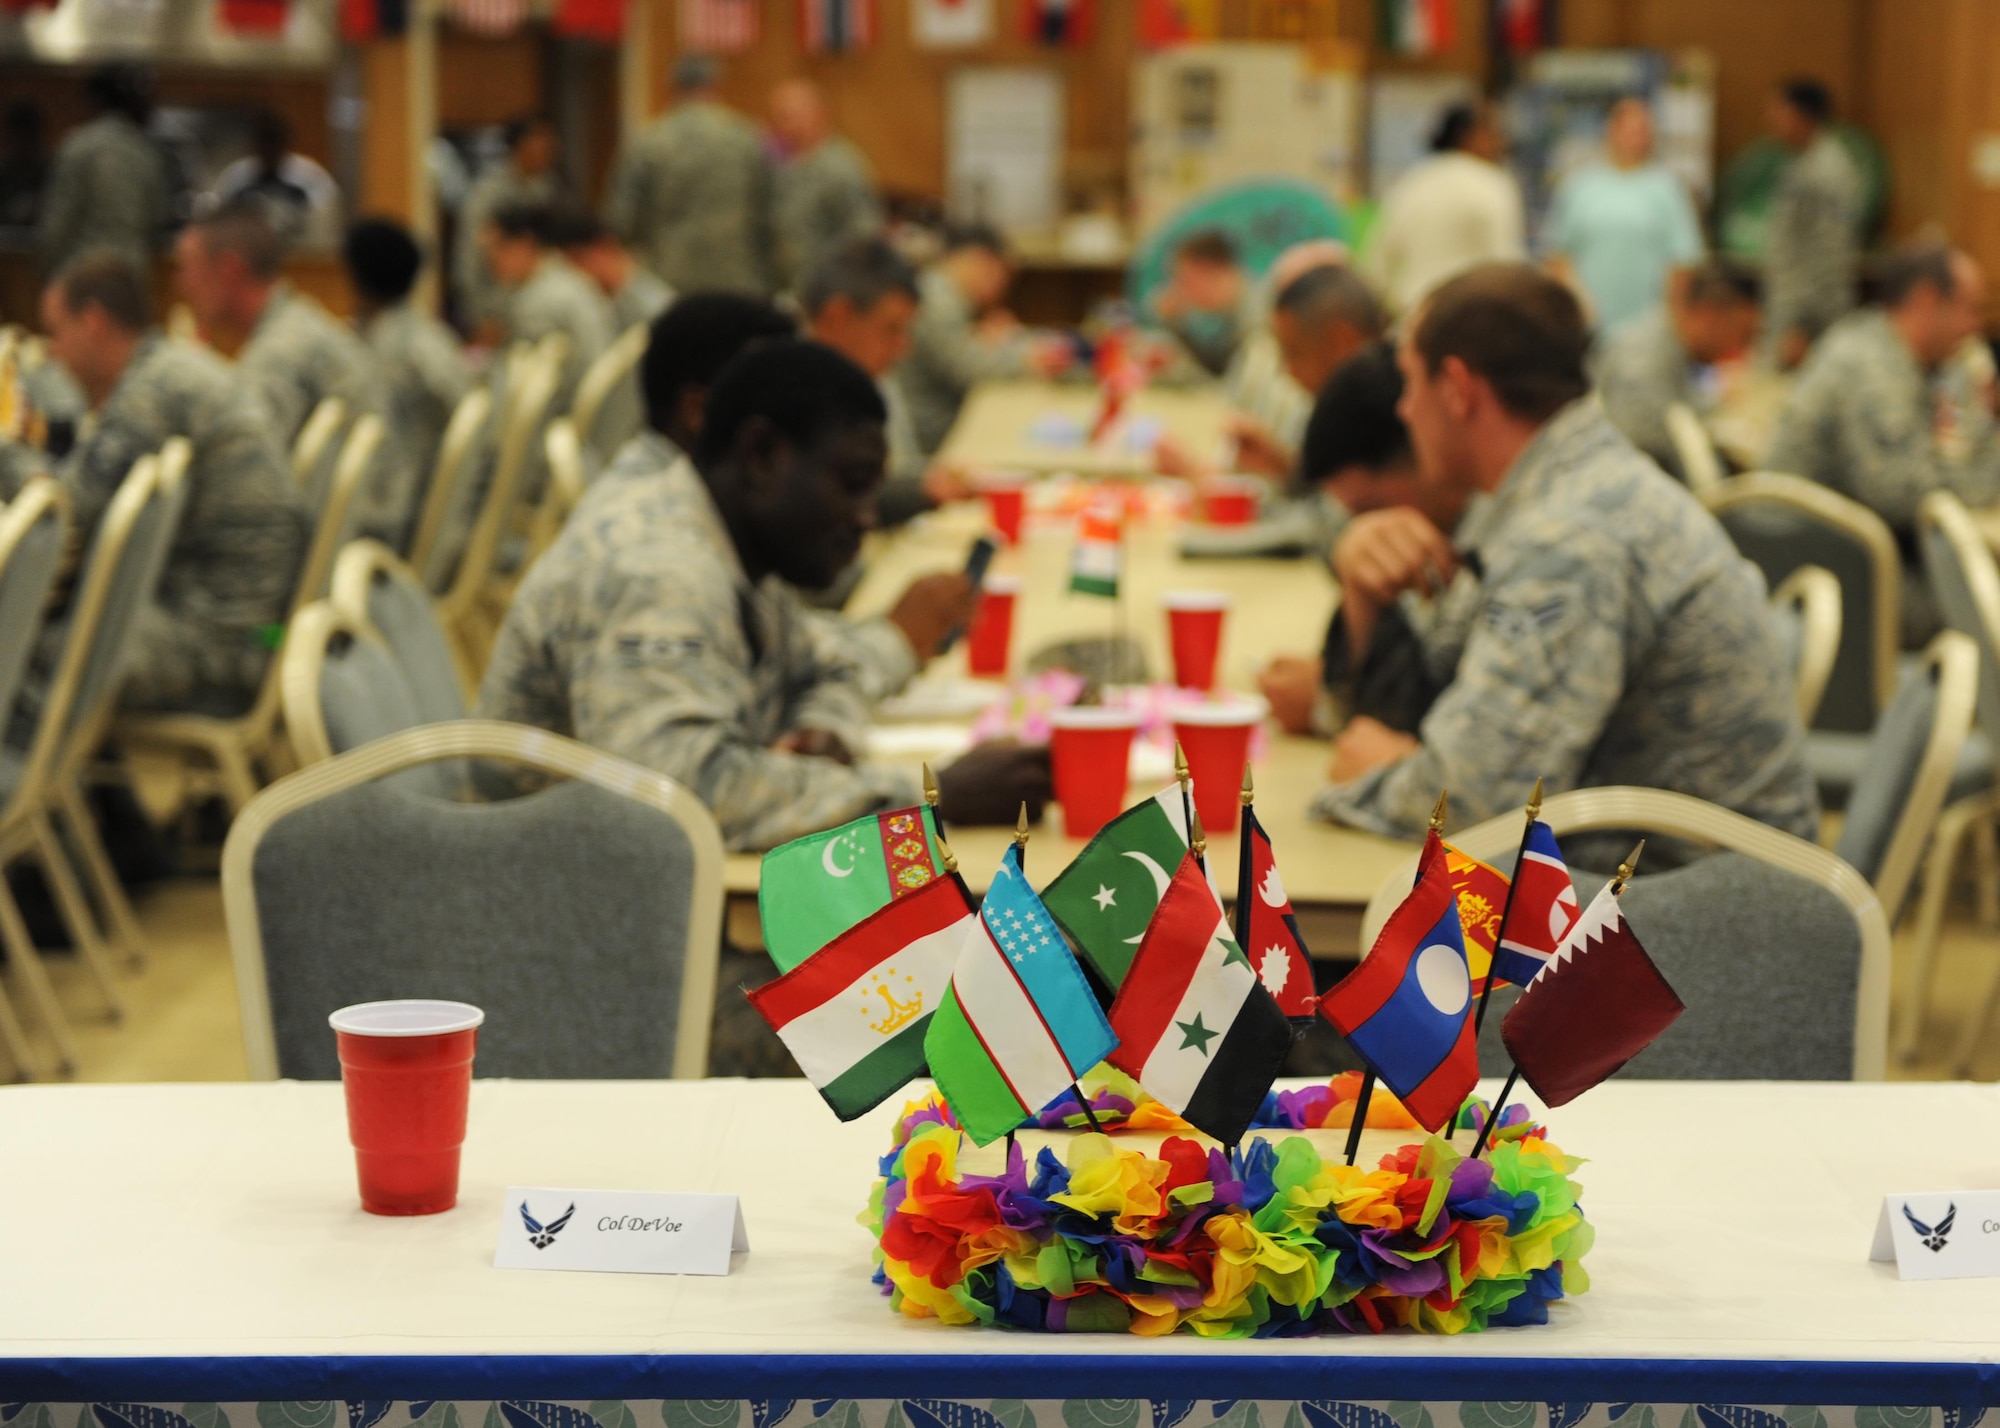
column 1544, row 910
column 1404, row 1008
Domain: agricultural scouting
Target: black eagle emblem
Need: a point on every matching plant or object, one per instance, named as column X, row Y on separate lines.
column 1933, row 1238
column 541, row 1236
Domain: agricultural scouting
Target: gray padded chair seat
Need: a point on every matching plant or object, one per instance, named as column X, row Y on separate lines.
column 1767, row 962
column 560, row 913
column 401, row 611
column 1837, row 761
column 365, row 695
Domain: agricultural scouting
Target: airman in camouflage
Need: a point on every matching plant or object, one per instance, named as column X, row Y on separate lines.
column 110, row 184
column 1812, row 235
column 823, row 193
column 952, row 346
column 527, row 177
column 547, row 295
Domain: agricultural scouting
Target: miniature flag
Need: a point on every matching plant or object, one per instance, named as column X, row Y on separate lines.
column 812, row 889
column 1275, row 944
column 1019, row 1023
column 1105, row 899
column 1599, row 1002
column 1093, row 566
column 1482, row 898
column 854, row 1014
column 1404, row 1008
column 1058, row 22
column 1544, row 910
column 1194, row 1025
column 831, row 26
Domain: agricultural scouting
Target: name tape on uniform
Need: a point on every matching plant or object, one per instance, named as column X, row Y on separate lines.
column 620, row 1231
column 1948, row 1235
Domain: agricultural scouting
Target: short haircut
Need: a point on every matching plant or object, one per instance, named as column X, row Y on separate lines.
column 958, row 236
column 243, row 226
column 270, row 129
column 804, row 389
column 571, row 225
column 1354, row 421
column 106, row 277
column 122, row 89
column 1454, row 127
column 521, row 126
column 382, row 259
column 1721, row 281
column 1808, row 96
column 1516, row 327
column 694, row 339
column 864, row 271
column 525, row 220
column 1333, row 293
column 1208, row 245
column 694, row 73
column 1923, row 264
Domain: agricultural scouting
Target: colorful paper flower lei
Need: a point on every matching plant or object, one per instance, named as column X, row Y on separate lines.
column 1265, row 1241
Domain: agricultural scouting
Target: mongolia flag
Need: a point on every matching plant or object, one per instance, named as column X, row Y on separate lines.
column 854, row 1014
column 1019, row 1023
column 1093, row 567
column 1106, row 897
column 813, row 889
column 1194, row 1025
column 1543, row 913
column 1599, row 1002
column 1404, row 1008
column 1273, row 932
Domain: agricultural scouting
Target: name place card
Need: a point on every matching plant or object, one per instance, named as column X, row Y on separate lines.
column 619, row 1231
column 1953, row 1235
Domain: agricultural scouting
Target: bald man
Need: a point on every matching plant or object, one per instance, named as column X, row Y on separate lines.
column 823, row 192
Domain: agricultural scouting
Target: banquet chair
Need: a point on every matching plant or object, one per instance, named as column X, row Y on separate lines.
column 609, row 410
column 119, row 575
column 314, row 443
column 564, row 455
column 1808, row 610
column 1700, row 467
column 1960, row 567
column 454, row 474
column 372, row 587
column 344, row 687
column 226, row 754
column 585, row 918
column 1778, row 947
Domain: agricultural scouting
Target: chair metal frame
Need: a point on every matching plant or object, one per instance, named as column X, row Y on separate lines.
column 355, row 571
column 1813, row 592
column 603, row 377
column 1853, row 519
column 1696, row 449
column 309, row 446
column 563, row 451
column 488, row 739
column 456, row 464
column 1682, row 816
column 302, row 664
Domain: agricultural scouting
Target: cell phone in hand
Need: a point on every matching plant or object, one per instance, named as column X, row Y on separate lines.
column 976, row 561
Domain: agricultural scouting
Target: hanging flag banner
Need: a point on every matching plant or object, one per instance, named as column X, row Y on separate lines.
column 834, row 26
column 1416, row 27
column 253, row 17
column 718, row 27
column 488, row 17
column 600, row 20
column 1058, row 22
column 950, row 24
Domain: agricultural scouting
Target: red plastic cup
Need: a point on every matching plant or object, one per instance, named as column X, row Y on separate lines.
column 1194, row 631
column 1090, row 751
column 992, row 632
column 1230, row 500
column 407, row 1069
column 1216, row 739
column 1006, row 497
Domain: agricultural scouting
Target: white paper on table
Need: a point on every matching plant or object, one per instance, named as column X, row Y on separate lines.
column 619, row 1231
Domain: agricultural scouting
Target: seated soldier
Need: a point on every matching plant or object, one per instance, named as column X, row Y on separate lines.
column 226, row 588
column 1614, row 635
column 1661, row 357
column 1207, row 301
column 661, row 625
column 546, row 295
column 637, row 295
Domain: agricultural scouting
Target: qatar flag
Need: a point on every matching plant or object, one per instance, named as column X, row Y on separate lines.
column 1543, row 912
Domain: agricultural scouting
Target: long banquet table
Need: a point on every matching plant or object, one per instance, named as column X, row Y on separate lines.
column 194, row 1257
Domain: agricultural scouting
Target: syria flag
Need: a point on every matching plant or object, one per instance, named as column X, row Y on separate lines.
column 1598, row 1003
column 1194, row 1025
column 1271, row 931
column 1544, row 910
column 1404, row 1009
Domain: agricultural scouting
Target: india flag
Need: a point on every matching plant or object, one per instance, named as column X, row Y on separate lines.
column 1019, row 1023
column 854, row 1014
column 1093, row 566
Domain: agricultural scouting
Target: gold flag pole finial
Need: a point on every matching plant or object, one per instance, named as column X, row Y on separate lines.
column 1181, row 765
column 1438, row 812
column 930, row 787
column 1021, row 827
column 1197, row 837
column 1534, row 799
column 1249, row 794
column 1626, row 869
column 946, row 856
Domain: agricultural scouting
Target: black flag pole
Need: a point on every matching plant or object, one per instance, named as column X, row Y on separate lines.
column 1618, row 881
column 1021, row 842
column 1244, row 891
column 1507, row 907
column 931, row 800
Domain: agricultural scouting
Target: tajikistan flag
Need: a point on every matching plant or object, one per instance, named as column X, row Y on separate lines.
column 1019, row 1023
column 1093, row 565
column 1105, row 899
column 812, row 889
column 854, row 1014
column 1194, row 1025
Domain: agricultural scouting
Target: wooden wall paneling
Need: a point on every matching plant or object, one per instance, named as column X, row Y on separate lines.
column 484, row 80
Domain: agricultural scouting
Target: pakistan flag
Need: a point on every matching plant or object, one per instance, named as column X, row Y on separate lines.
column 813, row 889
column 1105, row 899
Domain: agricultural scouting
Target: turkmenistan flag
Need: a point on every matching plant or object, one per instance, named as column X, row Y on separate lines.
column 1093, row 564
column 854, row 1014
column 1106, row 897
column 1194, row 1025
column 812, row 889
column 1019, row 1023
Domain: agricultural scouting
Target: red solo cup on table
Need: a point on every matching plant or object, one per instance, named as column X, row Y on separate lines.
column 1230, row 500
column 1216, row 739
column 1194, row 631
column 1006, row 497
column 992, row 633
column 407, row 1069
column 1090, row 750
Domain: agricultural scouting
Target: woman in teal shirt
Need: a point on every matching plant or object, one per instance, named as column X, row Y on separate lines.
column 1623, row 226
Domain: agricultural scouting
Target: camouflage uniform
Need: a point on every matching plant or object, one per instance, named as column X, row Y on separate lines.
column 426, row 375
column 230, row 574
column 822, row 197
column 1614, row 636
column 109, row 186
column 558, row 298
column 947, row 358
column 643, row 298
column 902, row 496
column 692, row 196
column 1812, row 241
column 1642, row 369
column 481, row 299
column 638, row 632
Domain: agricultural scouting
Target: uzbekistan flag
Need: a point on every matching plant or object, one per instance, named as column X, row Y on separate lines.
column 1404, row 1008
column 854, row 1014
column 1194, row 1025
column 1019, row 1023
column 1093, row 567
column 1544, row 910
column 1105, row 899
column 1275, row 943
column 1599, row 1002
column 812, row 889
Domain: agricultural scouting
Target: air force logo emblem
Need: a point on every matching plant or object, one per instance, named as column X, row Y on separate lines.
column 1933, row 1238
column 541, row 1236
